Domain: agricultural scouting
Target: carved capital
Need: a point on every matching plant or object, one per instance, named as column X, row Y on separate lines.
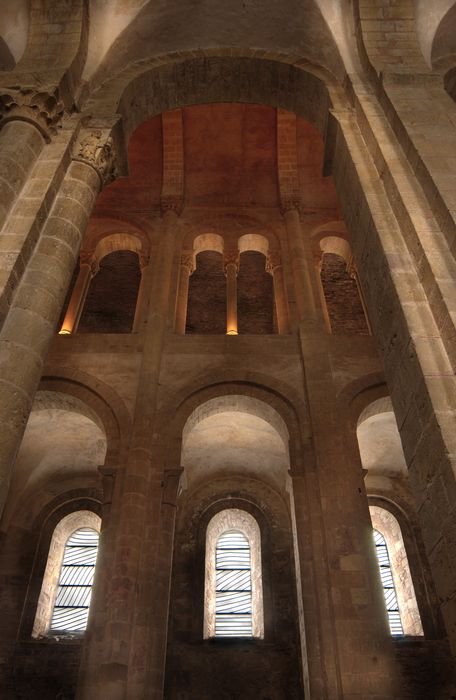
column 187, row 262
column 289, row 204
column 108, row 475
column 273, row 261
column 171, row 203
column 42, row 109
column 170, row 486
column 85, row 257
column 143, row 260
column 95, row 148
column 231, row 258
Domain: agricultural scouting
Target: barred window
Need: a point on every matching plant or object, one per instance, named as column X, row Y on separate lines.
column 233, row 605
column 389, row 589
column 233, row 588
column 66, row 589
column 71, row 607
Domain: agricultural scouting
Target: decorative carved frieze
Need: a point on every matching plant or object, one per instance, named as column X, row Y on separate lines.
column 42, row 109
column 96, row 148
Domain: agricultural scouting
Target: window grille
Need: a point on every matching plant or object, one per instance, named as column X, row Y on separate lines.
column 389, row 590
column 233, row 586
column 71, row 608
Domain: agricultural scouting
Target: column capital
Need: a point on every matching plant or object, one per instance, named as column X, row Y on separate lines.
column 188, row 262
column 87, row 258
column 290, row 205
column 171, row 203
column 42, row 109
column 170, row 486
column 231, row 258
column 273, row 261
column 144, row 259
column 95, row 147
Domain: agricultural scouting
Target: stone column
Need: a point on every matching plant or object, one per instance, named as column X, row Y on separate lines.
column 120, row 652
column 274, row 267
column 300, row 265
column 231, row 264
column 27, row 120
column 34, row 312
column 187, row 266
column 87, row 270
column 141, row 301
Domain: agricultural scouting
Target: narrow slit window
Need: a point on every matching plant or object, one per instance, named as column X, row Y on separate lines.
column 72, row 602
column 233, row 592
column 389, row 589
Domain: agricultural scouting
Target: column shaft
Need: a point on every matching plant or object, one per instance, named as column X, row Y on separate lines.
column 33, row 315
column 274, row 267
column 231, row 298
column 78, row 297
column 186, row 269
column 141, row 301
column 20, row 146
column 118, row 660
column 300, row 264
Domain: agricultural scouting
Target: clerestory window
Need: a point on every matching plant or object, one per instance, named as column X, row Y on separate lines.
column 389, row 589
column 72, row 602
column 401, row 604
column 233, row 588
column 64, row 601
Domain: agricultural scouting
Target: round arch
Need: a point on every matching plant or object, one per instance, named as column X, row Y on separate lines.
column 277, row 395
column 101, row 399
column 215, row 79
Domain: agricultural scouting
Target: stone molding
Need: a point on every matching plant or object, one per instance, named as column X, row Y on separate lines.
column 42, row 109
column 95, row 147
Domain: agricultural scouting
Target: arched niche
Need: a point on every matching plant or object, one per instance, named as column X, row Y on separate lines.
column 110, row 304
column 255, row 292
column 206, row 308
column 63, row 445
column 341, row 294
column 235, row 434
column 380, row 443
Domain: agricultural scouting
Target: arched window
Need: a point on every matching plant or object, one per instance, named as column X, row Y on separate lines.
column 64, row 601
column 233, row 586
column 389, row 590
column 398, row 589
column 72, row 602
column 233, row 591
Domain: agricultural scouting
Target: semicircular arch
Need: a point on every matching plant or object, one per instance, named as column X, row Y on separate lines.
column 277, row 395
column 100, row 398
